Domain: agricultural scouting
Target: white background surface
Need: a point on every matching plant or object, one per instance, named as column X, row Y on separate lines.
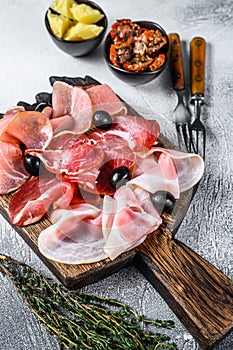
column 28, row 57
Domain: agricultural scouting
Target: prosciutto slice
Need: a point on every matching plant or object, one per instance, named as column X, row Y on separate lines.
column 13, row 111
column 188, row 166
column 79, row 156
column 72, row 101
column 128, row 221
column 12, row 170
column 32, row 129
column 32, row 201
column 140, row 134
column 104, row 98
column 75, row 237
column 154, row 175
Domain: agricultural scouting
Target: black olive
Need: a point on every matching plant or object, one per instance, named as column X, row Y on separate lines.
column 40, row 107
column 163, row 201
column 102, row 120
column 120, row 176
column 32, row 164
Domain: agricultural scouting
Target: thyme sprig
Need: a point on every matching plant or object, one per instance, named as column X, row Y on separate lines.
column 84, row 321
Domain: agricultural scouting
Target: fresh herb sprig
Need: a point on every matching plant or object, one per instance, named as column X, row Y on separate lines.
column 84, row 321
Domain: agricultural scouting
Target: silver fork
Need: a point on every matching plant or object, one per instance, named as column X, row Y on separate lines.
column 182, row 114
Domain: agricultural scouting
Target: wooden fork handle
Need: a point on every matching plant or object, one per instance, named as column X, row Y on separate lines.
column 176, row 62
column 197, row 65
column 200, row 295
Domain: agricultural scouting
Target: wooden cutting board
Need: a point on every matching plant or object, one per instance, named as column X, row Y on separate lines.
column 199, row 294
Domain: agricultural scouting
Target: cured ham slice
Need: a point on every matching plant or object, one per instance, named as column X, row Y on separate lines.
column 139, row 133
column 13, row 111
column 81, row 156
column 104, row 98
column 72, row 101
column 154, row 175
column 66, row 122
column 188, row 166
column 32, row 201
column 131, row 219
column 61, row 99
column 31, row 128
column 12, row 171
column 75, row 237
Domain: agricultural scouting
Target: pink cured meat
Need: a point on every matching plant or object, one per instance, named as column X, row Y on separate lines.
column 32, row 201
column 189, row 167
column 12, row 170
column 13, row 111
column 66, row 122
column 72, row 101
column 33, row 129
column 75, row 237
column 153, row 175
column 128, row 222
column 61, row 99
column 80, row 156
column 139, row 133
column 104, row 98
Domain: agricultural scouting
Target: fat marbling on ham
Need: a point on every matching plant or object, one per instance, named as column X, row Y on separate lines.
column 90, row 219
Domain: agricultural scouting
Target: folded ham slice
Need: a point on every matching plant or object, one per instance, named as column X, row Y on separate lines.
column 128, row 221
column 104, row 98
column 75, row 237
column 76, row 156
column 154, row 175
column 12, row 171
column 31, row 128
column 189, row 167
column 86, row 234
column 72, row 101
column 140, row 134
column 27, row 128
column 33, row 200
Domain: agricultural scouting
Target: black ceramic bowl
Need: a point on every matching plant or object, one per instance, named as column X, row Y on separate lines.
column 83, row 47
column 137, row 78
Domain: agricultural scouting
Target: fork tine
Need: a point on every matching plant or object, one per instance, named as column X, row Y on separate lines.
column 204, row 143
column 196, row 141
column 179, row 136
column 184, row 135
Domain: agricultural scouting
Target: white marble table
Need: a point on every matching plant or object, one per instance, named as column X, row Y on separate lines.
column 28, row 57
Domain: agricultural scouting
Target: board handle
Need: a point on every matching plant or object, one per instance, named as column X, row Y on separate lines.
column 197, row 65
column 199, row 294
column 176, row 62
